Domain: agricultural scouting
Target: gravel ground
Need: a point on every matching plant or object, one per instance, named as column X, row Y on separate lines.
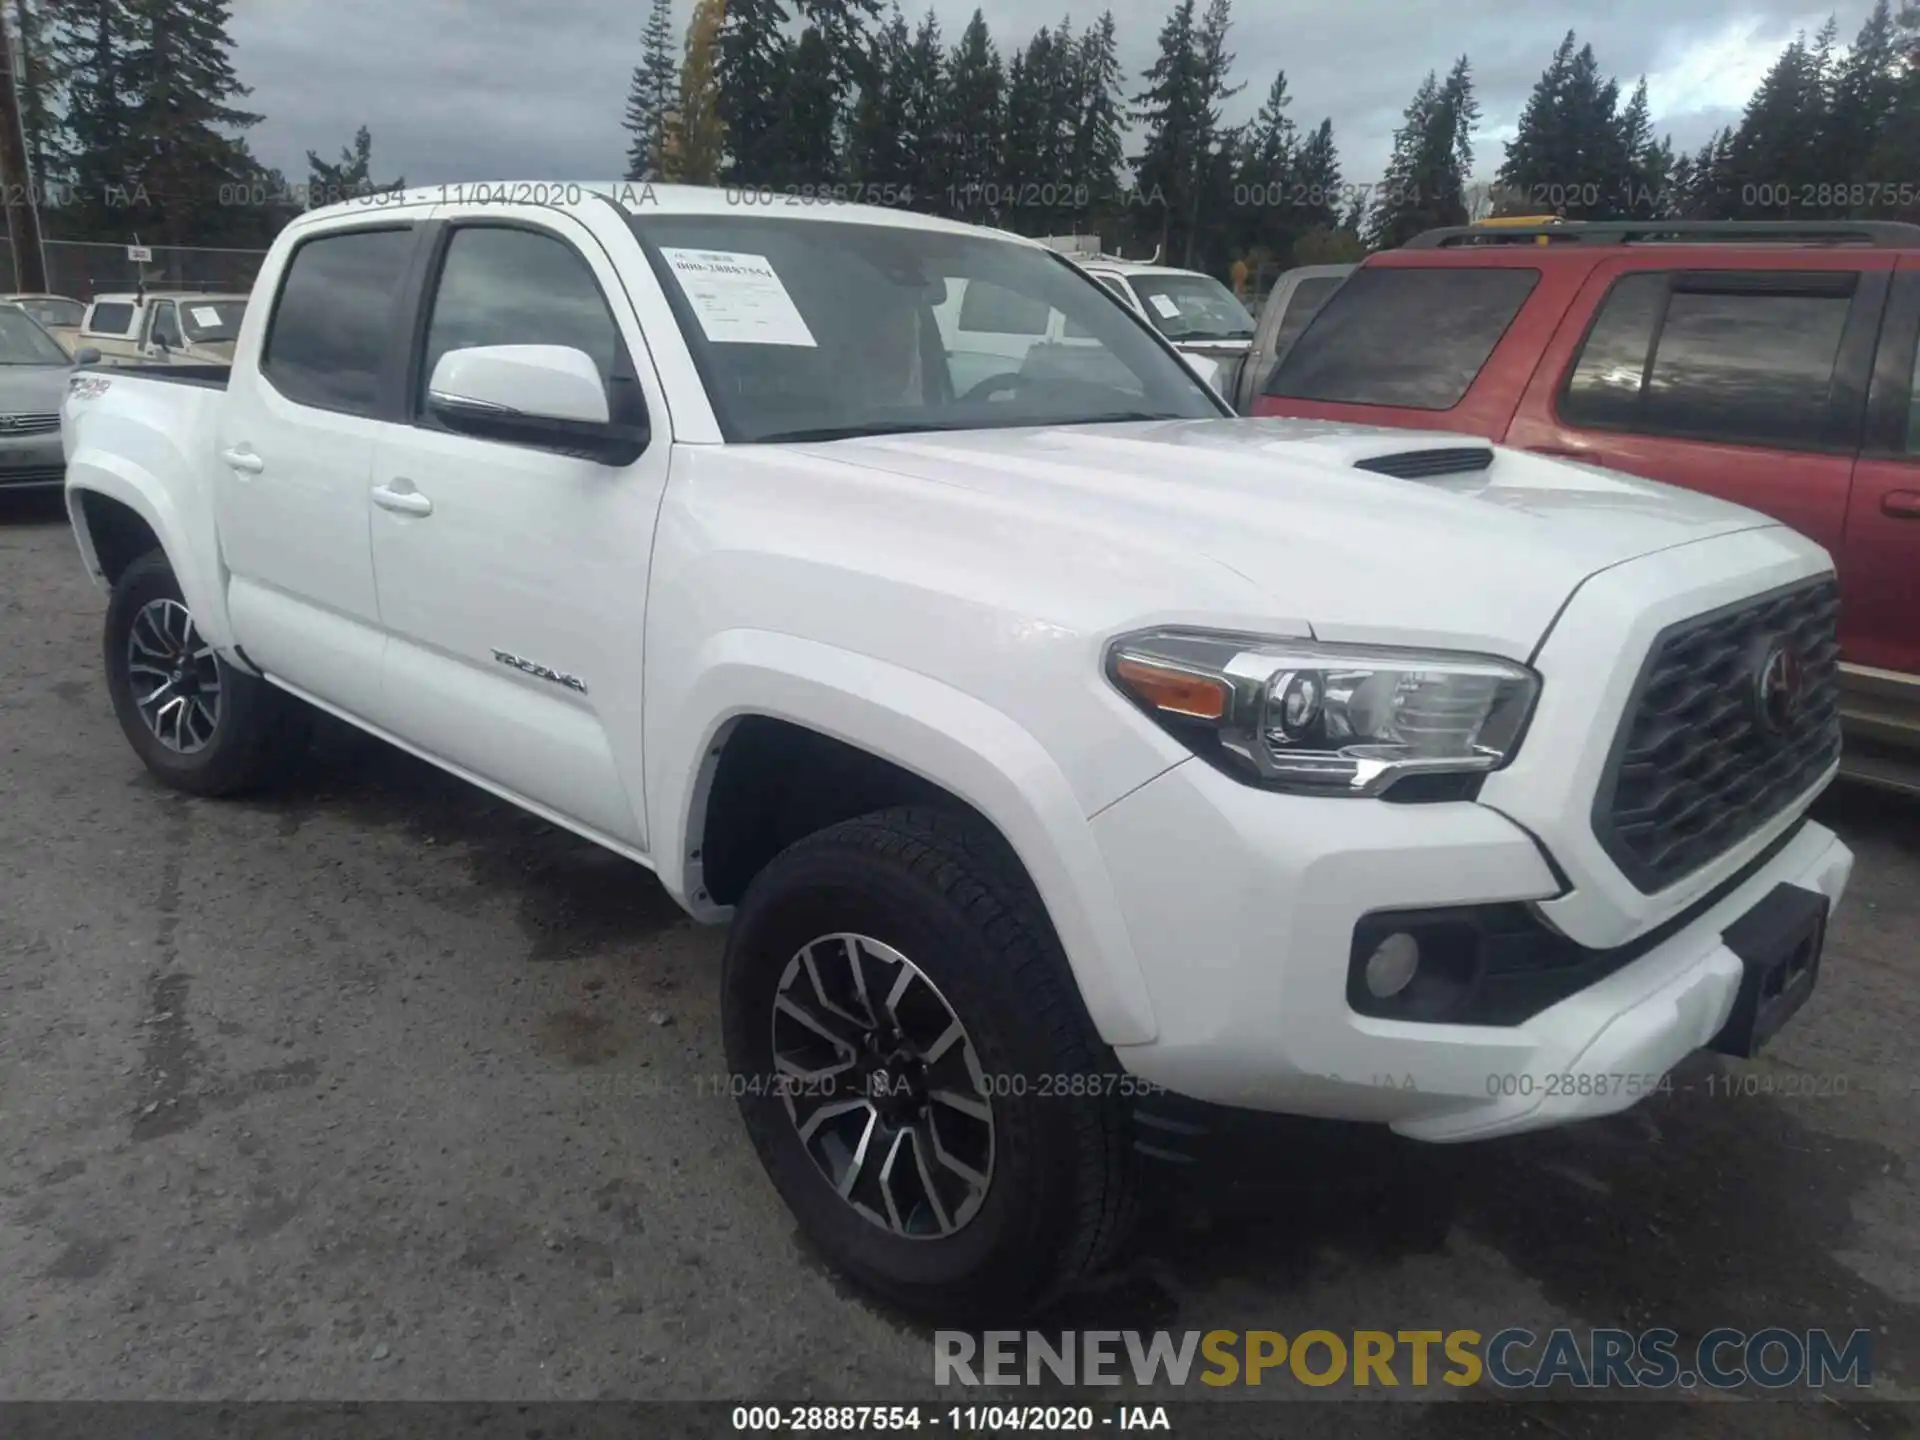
column 377, row 1089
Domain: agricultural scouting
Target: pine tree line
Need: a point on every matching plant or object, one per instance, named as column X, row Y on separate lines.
column 135, row 121
column 832, row 97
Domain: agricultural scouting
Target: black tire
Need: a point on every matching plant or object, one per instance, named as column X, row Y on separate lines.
column 257, row 732
column 945, row 891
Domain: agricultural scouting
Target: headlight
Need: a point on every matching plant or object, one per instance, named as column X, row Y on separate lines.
column 1326, row 719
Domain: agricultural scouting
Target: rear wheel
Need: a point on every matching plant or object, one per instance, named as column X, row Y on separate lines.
column 916, row 1071
column 196, row 722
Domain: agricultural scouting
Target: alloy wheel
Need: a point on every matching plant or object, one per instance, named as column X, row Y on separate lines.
column 175, row 676
column 883, row 1086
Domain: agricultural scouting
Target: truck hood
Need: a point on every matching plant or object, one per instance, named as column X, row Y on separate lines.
column 1482, row 558
column 32, row 389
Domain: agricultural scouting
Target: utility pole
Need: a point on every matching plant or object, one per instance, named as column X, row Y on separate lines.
column 16, row 175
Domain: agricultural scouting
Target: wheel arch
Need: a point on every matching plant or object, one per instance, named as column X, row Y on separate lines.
column 894, row 736
column 118, row 517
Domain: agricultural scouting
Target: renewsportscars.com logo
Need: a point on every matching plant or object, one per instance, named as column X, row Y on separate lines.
column 1513, row 1358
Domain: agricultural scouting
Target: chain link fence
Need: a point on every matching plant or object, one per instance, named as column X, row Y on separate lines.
column 82, row 269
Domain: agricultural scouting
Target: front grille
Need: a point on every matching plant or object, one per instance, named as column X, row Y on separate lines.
column 1698, row 766
column 1420, row 464
column 39, row 424
column 33, row 475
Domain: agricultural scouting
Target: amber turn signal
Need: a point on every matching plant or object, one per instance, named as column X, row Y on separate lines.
column 1177, row 692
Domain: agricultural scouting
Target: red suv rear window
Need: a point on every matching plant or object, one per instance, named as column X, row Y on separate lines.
column 1404, row 336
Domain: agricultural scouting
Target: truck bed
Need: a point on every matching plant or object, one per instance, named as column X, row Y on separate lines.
column 208, row 377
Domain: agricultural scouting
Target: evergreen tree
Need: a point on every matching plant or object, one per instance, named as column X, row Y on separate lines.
column 976, row 109
column 1571, row 153
column 924, row 108
column 1316, row 179
column 1776, row 151
column 1019, row 148
column 1060, row 89
column 877, row 141
column 1039, row 142
column 1098, row 151
column 39, row 73
column 653, row 92
column 177, row 70
column 1213, row 195
column 1425, row 184
column 1356, row 217
column 88, row 38
column 1263, row 223
column 1682, row 190
column 843, row 57
column 810, row 114
column 1271, row 140
column 350, row 175
column 695, row 147
column 1180, row 168
column 751, row 75
column 1865, row 91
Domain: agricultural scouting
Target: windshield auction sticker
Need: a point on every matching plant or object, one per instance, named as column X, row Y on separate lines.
column 738, row 298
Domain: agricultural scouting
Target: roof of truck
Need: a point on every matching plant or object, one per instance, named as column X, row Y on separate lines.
column 650, row 197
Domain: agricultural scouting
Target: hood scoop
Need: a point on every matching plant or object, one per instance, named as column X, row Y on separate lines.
column 1425, row 464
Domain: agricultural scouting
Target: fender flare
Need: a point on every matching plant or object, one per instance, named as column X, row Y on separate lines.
column 922, row 725
column 194, row 557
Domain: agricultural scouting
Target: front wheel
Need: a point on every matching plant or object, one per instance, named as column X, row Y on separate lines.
column 198, row 724
column 916, row 1071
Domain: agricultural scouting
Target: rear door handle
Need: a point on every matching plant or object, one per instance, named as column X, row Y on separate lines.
column 402, row 499
column 1558, row 452
column 1901, row 504
column 243, row 460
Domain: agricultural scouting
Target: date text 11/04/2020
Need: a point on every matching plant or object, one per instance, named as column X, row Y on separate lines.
column 961, row 1419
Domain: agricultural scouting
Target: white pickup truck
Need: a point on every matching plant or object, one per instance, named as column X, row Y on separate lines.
column 1063, row 750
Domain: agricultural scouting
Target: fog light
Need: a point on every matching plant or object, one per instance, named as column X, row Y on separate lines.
column 1391, row 967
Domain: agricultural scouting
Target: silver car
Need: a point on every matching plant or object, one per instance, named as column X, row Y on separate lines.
column 33, row 383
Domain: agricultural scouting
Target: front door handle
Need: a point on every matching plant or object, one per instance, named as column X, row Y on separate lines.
column 1901, row 504
column 401, row 498
column 244, row 461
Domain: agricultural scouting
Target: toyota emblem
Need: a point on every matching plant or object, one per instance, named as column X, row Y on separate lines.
column 1782, row 679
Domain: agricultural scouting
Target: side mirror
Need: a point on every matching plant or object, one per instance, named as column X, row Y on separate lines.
column 550, row 396
column 88, row 355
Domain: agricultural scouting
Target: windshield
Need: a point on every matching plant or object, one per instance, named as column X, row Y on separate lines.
column 54, row 312
column 811, row 329
column 1192, row 307
column 211, row 321
column 23, row 342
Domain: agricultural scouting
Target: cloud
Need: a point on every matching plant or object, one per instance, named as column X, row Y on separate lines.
column 532, row 89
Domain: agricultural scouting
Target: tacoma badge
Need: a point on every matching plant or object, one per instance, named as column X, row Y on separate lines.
column 558, row 677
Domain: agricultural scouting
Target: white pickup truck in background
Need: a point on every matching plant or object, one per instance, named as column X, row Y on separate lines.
column 1061, row 748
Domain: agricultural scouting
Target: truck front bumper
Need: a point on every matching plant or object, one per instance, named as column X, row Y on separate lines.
column 1242, row 907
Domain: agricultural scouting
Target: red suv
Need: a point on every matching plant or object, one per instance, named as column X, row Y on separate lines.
column 1769, row 363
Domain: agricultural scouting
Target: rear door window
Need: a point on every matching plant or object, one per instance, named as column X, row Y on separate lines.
column 1403, row 336
column 333, row 327
column 1745, row 357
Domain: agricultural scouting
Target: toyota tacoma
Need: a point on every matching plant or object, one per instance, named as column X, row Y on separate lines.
column 1058, row 746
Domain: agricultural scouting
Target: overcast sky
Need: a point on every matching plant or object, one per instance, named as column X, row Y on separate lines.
column 533, row 89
